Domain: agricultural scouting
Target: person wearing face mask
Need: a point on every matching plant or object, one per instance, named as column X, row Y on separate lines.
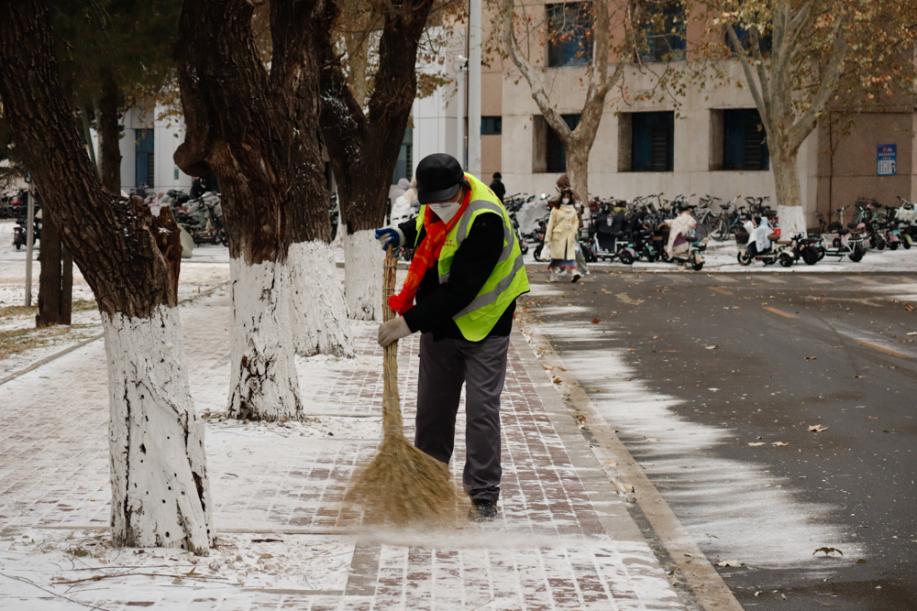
column 560, row 238
column 460, row 294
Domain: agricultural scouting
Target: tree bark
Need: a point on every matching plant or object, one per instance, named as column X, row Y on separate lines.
column 110, row 133
column 364, row 147
column 577, row 156
column 789, row 197
column 257, row 129
column 51, row 294
column 158, row 472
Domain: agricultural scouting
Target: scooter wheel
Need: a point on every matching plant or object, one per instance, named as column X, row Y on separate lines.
column 786, row 261
column 906, row 242
column 857, row 255
column 626, row 257
column 697, row 266
column 743, row 259
column 893, row 245
column 811, row 256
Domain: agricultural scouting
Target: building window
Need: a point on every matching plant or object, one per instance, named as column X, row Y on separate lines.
column 765, row 41
column 664, row 30
column 143, row 158
column 569, row 34
column 491, row 126
column 646, row 142
column 547, row 147
column 744, row 141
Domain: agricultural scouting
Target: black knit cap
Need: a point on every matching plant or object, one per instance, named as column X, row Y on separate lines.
column 439, row 177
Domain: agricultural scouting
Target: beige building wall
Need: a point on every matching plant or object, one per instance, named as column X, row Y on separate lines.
column 854, row 163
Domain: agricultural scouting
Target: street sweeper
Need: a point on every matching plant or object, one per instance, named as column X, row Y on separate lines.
column 460, row 294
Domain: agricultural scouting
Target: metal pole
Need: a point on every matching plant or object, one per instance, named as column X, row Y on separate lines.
column 460, row 114
column 29, row 243
column 474, row 87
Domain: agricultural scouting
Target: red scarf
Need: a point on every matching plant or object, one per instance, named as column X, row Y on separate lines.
column 426, row 255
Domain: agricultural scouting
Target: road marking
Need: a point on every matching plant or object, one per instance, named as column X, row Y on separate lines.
column 721, row 290
column 882, row 348
column 780, row 312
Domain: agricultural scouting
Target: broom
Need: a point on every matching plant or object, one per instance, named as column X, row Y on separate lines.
column 402, row 484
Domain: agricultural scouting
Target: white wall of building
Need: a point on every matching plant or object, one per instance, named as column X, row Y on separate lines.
column 168, row 134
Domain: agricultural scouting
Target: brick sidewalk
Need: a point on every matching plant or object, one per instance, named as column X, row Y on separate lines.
column 563, row 540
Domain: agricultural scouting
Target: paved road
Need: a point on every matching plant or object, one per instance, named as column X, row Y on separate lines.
column 738, row 363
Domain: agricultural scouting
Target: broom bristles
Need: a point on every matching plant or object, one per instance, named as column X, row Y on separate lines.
column 402, row 485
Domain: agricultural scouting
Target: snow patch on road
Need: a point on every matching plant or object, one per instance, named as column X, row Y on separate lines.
column 733, row 509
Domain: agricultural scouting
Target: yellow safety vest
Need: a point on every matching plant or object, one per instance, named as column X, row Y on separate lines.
column 508, row 279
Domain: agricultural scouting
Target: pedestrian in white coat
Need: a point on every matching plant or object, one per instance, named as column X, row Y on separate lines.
column 560, row 238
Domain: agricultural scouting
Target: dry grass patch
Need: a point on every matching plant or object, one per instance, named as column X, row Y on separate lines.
column 19, row 340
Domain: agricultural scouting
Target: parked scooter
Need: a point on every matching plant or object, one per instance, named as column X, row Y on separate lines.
column 20, row 237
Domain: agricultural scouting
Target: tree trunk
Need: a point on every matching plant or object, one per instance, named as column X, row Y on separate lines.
column 577, row 156
column 257, row 129
column 318, row 308
column 264, row 383
column 110, row 133
column 153, row 429
column 790, row 208
column 158, row 467
column 363, row 260
column 364, row 147
column 51, row 293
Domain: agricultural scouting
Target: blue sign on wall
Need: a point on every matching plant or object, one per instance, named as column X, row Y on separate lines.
column 887, row 160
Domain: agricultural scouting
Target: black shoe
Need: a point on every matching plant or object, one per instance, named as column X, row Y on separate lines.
column 482, row 510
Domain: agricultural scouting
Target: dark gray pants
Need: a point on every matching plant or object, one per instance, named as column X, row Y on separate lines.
column 444, row 366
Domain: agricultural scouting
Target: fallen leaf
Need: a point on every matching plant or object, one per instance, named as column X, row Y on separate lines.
column 731, row 563
column 827, row 551
column 817, row 428
column 908, row 307
column 780, row 444
column 811, row 358
column 595, row 321
column 557, row 380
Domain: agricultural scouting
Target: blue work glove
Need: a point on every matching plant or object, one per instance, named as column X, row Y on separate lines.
column 389, row 236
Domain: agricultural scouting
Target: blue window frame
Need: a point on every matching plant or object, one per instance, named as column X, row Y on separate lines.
column 569, row 34
column 143, row 158
column 745, row 141
column 664, row 30
column 652, row 141
column 556, row 158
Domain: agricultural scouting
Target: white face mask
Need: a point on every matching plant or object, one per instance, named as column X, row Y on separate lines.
column 446, row 210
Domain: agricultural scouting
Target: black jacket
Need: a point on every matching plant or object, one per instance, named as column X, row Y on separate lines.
column 497, row 187
column 474, row 261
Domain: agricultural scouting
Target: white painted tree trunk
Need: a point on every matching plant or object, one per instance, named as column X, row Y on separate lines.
column 160, row 495
column 263, row 383
column 789, row 200
column 363, row 258
column 319, row 313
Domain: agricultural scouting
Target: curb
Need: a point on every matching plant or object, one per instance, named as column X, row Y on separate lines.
column 704, row 583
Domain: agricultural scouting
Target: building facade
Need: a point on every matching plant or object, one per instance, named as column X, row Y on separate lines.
column 707, row 141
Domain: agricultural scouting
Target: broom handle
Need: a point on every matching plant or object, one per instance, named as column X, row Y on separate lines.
column 391, row 403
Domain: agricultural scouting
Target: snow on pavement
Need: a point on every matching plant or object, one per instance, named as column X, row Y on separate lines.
column 282, row 537
column 720, row 501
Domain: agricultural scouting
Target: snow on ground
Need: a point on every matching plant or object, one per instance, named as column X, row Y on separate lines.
column 735, row 510
column 283, row 539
